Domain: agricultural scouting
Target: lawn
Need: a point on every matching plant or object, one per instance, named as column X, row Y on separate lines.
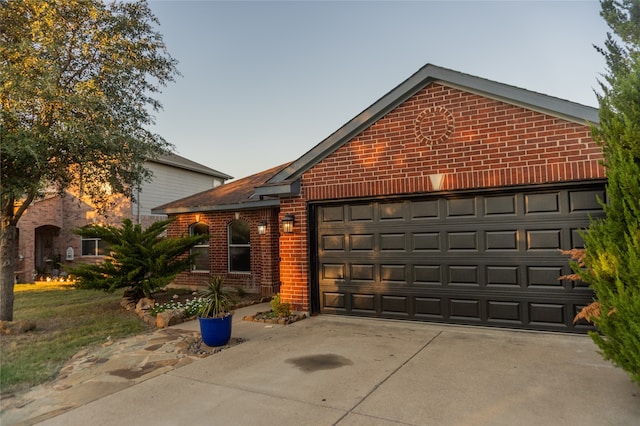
column 66, row 319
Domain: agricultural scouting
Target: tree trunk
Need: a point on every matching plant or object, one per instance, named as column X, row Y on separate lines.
column 7, row 268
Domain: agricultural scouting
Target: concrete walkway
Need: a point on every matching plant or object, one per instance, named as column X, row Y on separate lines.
column 329, row 370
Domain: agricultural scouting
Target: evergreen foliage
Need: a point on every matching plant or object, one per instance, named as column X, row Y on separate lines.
column 141, row 259
column 612, row 257
column 78, row 89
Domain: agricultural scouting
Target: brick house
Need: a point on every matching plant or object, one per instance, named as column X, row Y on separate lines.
column 446, row 200
column 47, row 244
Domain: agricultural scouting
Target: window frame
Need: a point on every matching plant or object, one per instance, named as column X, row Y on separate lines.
column 200, row 247
column 99, row 247
column 231, row 245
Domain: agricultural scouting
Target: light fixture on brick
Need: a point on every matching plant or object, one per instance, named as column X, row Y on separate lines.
column 262, row 227
column 287, row 223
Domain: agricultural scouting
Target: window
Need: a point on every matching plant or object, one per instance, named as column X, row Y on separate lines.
column 200, row 262
column 239, row 248
column 94, row 247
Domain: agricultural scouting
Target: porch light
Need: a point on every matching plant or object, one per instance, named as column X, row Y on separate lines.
column 262, row 227
column 287, row 223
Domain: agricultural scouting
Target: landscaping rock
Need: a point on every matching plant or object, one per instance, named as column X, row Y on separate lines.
column 144, row 304
column 170, row 317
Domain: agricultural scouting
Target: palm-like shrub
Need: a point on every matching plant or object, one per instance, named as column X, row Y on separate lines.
column 215, row 301
column 144, row 260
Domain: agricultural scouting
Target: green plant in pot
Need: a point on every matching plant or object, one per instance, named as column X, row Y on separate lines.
column 215, row 315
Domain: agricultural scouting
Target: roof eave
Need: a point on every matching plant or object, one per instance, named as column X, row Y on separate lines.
column 252, row 205
column 283, row 189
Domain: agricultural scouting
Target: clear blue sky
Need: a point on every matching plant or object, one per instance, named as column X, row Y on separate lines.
column 263, row 82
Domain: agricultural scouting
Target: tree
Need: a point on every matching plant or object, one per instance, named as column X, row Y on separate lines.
column 77, row 80
column 611, row 263
column 141, row 259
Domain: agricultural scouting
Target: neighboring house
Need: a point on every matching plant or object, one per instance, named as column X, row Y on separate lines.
column 46, row 242
column 447, row 200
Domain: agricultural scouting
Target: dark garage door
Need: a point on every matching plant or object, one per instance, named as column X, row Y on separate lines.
column 488, row 259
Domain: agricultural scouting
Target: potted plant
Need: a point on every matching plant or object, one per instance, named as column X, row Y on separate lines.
column 215, row 315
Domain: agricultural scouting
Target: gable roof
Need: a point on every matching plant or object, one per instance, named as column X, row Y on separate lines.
column 239, row 194
column 284, row 182
column 175, row 160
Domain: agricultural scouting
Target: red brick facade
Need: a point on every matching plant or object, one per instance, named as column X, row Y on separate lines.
column 45, row 233
column 476, row 142
column 264, row 275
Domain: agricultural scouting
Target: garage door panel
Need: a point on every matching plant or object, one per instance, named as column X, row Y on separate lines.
column 364, row 303
column 489, row 259
column 547, row 314
column 333, row 243
column 463, row 275
column 461, row 207
column 360, row 242
column 586, row 201
column 505, row 312
column 502, row 240
column 361, row 213
column 466, row 309
column 503, row 276
column 544, row 276
column 395, row 305
column 502, row 206
column 427, row 274
column 393, row 242
column 391, row 211
column 424, row 210
column 542, row 203
column 467, row 240
column 426, row 241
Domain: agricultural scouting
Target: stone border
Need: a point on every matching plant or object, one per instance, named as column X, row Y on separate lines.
column 260, row 317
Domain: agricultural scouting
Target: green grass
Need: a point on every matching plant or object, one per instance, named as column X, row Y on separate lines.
column 67, row 319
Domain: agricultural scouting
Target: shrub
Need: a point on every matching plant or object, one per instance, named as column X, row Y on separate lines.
column 279, row 308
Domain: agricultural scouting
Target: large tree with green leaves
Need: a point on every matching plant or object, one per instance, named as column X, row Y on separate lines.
column 144, row 260
column 77, row 86
column 612, row 257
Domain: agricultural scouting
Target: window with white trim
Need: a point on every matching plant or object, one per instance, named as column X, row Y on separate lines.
column 93, row 247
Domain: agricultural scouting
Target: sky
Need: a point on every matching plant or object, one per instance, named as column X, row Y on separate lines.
column 263, row 82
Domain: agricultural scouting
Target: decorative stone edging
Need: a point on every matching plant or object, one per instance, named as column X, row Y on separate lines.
column 266, row 317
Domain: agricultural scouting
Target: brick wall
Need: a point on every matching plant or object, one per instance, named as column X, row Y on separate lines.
column 64, row 214
column 474, row 141
column 265, row 275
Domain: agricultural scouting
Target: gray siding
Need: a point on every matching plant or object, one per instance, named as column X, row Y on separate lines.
column 169, row 184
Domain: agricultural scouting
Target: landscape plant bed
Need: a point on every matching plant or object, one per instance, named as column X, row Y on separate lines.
column 271, row 317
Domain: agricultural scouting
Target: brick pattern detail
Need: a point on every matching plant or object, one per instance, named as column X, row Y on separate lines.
column 493, row 144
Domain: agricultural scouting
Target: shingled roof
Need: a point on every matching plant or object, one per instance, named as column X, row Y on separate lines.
column 236, row 195
column 178, row 161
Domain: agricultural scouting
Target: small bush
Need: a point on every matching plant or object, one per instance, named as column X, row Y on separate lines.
column 279, row 308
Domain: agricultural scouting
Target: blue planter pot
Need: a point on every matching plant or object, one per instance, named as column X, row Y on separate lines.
column 215, row 331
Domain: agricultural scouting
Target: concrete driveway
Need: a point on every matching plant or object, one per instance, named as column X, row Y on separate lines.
column 329, row 370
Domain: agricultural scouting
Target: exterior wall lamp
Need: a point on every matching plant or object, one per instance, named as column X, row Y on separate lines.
column 197, row 217
column 287, row 223
column 262, row 227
